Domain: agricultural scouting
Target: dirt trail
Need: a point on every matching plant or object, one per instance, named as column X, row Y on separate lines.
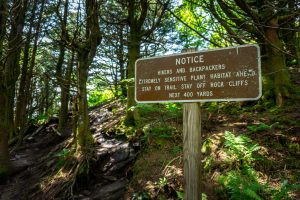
column 111, row 169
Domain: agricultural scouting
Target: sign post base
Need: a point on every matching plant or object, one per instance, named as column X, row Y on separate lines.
column 192, row 151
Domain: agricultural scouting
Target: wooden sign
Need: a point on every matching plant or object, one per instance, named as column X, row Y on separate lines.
column 226, row 74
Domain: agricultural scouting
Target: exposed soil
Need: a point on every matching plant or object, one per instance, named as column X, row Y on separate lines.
column 39, row 158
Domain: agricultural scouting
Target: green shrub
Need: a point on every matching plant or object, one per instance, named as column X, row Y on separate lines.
column 258, row 128
column 41, row 119
column 61, row 155
column 97, row 97
column 242, row 181
column 240, row 148
column 242, row 184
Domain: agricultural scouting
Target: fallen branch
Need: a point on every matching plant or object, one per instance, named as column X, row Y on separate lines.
column 34, row 133
column 56, row 131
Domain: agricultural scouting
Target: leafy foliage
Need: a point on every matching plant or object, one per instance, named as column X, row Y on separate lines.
column 283, row 190
column 240, row 148
column 180, row 194
column 242, row 184
column 62, row 155
column 41, row 119
column 98, row 97
column 258, row 128
column 243, row 181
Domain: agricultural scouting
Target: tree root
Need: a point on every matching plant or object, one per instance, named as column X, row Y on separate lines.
column 61, row 183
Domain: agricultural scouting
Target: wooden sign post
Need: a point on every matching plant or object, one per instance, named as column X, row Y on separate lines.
column 192, row 142
column 228, row 74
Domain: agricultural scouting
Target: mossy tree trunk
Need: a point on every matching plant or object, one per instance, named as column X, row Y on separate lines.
column 121, row 59
column 27, row 73
column 83, row 131
column 9, row 72
column 3, row 19
column 3, row 98
column 4, row 167
column 21, row 104
column 85, row 53
column 132, row 115
column 63, row 79
column 276, row 72
column 138, row 13
column 65, row 97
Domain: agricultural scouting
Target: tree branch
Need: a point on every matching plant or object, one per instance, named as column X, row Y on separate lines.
column 191, row 28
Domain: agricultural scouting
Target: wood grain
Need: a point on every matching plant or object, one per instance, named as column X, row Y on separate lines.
column 192, row 150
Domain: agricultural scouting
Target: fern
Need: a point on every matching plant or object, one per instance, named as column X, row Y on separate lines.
column 240, row 147
column 242, row 184
column 258, row 128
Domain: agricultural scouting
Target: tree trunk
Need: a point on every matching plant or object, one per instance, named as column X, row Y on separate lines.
column 65, row 96
column 132, row 115
column 12, row 66
column 63, row 80
column 86, row 53
column 138, row 11
column 74, row 103
column 27, row 73
column 9, row 73
column 120, row 54
column 3, row 19
column 20, row 114
column 47, row 94
column 4, row 127
column 135, row 23
column 279, row 81
column 83, row 132
column 3, row 99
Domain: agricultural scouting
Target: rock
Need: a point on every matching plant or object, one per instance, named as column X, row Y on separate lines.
column 19, row 166
column 119, row 156
column 114, row 191
column 110, row 178
column 118, row 166
column 86, row 192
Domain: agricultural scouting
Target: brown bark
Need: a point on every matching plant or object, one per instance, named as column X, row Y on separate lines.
column 86, row 53
column 65, row 96
column 276, row 68
column 23, row 100
column 9, row 73
column 120, row 53
column 4, row 161
column 20, row 114
column 3, row 19
column 63, row 79
column 138, row 11
column 132, row 115
column 135, row 23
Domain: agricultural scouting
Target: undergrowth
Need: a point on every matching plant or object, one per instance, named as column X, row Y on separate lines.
column 241, row 180
column 239, row 165
column 98, row 97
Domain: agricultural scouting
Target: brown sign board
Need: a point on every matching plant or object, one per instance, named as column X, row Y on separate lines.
column 225, row 74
